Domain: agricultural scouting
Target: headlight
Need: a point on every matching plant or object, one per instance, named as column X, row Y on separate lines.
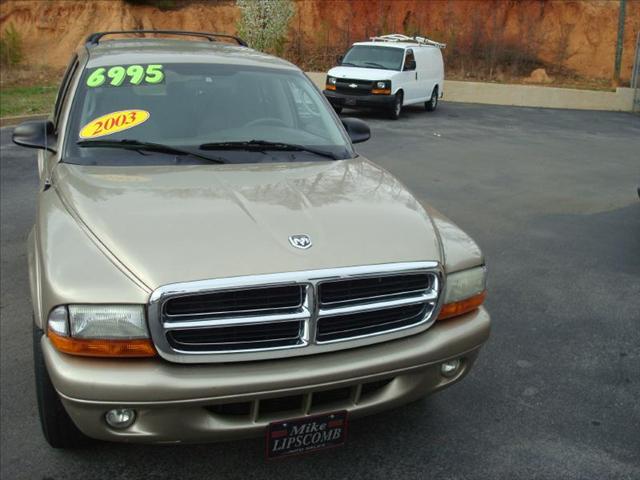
column 107, row 321
column 331, row 80
column 464, row 292
column 100, row 330
column 383, row 87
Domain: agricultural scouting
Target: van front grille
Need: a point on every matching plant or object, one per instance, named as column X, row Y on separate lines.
column 297, row 313
column 353, row 86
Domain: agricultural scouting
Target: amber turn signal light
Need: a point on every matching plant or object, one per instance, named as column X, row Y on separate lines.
column 330, row 87
column 102, row 348
column 381, row 91
column 463, row 306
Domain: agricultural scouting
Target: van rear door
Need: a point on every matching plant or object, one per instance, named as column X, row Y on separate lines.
column 432, row 73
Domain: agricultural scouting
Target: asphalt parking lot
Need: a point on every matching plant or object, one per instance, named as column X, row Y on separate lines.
column 550, row 196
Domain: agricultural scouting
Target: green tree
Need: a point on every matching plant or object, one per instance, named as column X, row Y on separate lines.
column 264, row 23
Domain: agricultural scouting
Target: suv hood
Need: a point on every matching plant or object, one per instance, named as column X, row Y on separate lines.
column 357, row 73
column 180, row 223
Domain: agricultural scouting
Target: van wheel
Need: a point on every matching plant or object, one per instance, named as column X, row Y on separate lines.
column 431, row 104
column 58, row 428
column 337, row 108
column 396, row 109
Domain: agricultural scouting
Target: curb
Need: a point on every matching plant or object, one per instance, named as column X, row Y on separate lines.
column 517, row 95
column 11, row 121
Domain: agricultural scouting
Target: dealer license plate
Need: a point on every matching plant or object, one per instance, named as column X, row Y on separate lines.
column 308, row 434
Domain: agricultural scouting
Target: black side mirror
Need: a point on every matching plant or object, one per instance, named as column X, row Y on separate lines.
column 358, row 130
column 410, row 65
column 339, row 59
column 36, row 134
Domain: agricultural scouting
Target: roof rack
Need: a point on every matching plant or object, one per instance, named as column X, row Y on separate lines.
column 398, row 37
column 94, row 38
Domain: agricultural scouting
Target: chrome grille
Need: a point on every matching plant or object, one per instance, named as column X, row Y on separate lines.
column 339, row 327
column 373, row 288
column 375, row 304
column 236, row 301
column 237, row 319
column 288, row 314
column 237, row 337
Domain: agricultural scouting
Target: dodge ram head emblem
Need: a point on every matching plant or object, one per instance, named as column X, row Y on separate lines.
column 300, row 241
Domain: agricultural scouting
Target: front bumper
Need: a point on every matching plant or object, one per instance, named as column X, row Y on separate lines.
column 196, row 403
column 338, row 99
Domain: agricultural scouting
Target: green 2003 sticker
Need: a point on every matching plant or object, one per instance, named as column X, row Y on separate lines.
column 116, row 75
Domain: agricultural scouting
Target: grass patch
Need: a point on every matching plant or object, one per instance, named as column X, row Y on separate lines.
column 26, row 100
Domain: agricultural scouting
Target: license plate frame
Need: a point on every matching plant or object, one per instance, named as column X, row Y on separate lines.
column 350, row 101
column 297, row 436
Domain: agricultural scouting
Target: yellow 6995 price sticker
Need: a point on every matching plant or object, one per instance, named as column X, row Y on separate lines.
column 135, row 74
column 113, row 122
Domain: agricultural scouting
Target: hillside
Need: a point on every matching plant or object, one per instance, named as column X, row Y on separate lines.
column 498, row 40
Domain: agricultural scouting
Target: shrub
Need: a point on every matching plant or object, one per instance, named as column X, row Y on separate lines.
column 264, row 23
column 11, row 47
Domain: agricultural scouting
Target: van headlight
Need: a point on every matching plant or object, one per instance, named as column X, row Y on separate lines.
column 100, row 330
column 464, row 291
column 383, row 87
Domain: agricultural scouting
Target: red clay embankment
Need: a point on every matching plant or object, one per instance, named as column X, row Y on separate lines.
column 485, row 37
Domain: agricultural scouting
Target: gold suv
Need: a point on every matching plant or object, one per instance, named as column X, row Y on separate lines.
column 211, row 259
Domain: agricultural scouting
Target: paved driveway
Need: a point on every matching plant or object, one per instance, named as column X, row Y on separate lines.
column 551, row 197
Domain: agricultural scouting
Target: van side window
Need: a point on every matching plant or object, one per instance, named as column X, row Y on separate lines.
column 64, row 89
column 409, row 60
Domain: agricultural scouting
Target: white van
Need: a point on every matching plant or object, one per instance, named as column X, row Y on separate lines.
column 388, row 72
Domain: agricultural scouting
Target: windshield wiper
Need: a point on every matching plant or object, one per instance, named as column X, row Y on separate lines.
column 376, row 65
column 145, row 146
column 262, row 145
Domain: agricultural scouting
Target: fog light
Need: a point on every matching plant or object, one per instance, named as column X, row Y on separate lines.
column 120, row 417
column 451, row 368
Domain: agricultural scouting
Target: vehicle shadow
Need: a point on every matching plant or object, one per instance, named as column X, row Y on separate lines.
column 408, row 112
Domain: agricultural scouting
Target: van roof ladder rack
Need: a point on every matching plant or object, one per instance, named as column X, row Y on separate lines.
column 398, row 37
column 94, row 39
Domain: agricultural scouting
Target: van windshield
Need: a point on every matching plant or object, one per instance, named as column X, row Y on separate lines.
column 141, row 114
column 370, row 56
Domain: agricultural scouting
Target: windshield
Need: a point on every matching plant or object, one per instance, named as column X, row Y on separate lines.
column 187, row 106
column 369, row 56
